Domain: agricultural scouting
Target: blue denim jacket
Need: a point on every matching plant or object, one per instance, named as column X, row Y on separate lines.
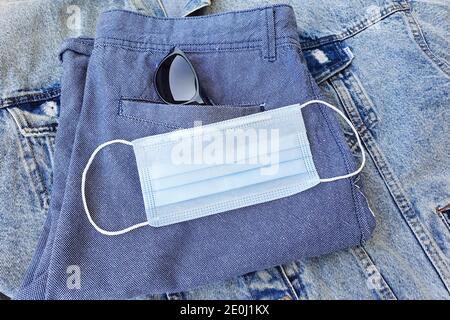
column 375, row 59
column 386, row 63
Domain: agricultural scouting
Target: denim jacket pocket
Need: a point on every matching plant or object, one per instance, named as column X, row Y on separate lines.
column 36, row 122
column 36, row 119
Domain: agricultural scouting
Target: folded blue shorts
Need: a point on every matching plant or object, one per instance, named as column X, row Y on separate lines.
column 248, row 62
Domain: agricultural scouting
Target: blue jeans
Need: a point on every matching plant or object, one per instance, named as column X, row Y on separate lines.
column 106, row 96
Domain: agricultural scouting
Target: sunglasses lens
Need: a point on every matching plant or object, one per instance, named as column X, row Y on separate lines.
column 175, row 80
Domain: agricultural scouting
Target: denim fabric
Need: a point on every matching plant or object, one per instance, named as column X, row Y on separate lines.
column 401, row 261
column 386, row 64
column 31, row 33
column 27, row 126
column 254, row 46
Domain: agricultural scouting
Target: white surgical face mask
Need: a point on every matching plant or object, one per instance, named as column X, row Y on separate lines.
column 201, row 171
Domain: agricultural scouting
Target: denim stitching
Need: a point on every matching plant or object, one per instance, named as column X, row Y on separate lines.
column 191, row 50
column 185, row 50
column 200, row 17
column 444, row 220
column 174, row 126
column 346, row 161
column 370, row 117
column 101, row 39
column 25, row 131
column 360, row 26
column 40, row 131
column 357, row 179
column 353, row 113
column 32, row 170
column 365, row 261
column 131, row 42
column 86, row 41
column 271, row 35
column 347, row 166
column 265, row 45
column 220, row 106
column 125, row 115
column 419, row 38
column 213, row 47
column 47, row 94
column 398, row 194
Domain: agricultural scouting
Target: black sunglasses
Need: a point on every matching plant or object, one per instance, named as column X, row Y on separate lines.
column 176, row 81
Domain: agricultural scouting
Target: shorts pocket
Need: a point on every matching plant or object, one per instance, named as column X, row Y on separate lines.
column 182, row 116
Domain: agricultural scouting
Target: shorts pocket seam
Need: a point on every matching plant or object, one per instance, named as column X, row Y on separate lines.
column 235, row 107
column 125, row 115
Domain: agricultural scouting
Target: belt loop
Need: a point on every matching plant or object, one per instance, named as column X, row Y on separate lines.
column 269, row 42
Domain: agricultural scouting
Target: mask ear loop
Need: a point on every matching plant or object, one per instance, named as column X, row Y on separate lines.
column 358, row 139
column 83, row 193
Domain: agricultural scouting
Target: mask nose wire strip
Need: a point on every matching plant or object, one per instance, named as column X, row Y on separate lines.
column 83, row 193
column 358, row 139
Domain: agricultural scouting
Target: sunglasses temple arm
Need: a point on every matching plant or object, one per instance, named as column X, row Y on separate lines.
column 202, row 99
